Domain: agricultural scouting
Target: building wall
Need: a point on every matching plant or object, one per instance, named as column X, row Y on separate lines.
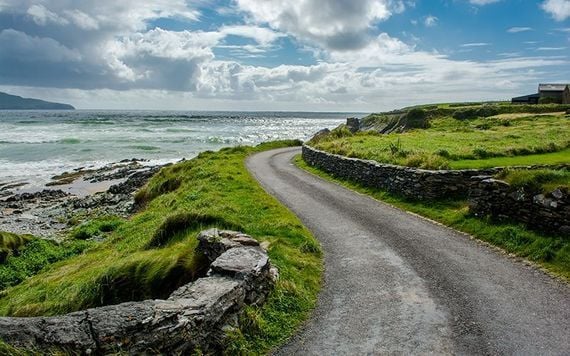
column 551, row 94
column 566, row 96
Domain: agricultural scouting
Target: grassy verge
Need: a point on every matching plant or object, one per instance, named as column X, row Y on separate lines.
column 448, row 142
column 538, row 181
column 554, row 158
column 152, row 253
column 551, row 252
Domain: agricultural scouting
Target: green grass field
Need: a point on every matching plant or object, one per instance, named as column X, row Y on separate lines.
column 502, row 140
column 152, row 253
column 549, row 251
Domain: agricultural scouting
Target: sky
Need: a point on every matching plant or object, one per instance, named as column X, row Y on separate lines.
column 301, row 55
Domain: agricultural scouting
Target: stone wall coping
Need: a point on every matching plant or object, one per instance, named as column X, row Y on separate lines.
column 435, row 171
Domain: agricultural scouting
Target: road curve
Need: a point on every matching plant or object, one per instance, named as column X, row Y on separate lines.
column 395, row 283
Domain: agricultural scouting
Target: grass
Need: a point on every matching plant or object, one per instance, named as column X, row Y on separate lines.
column 152, row 253
column 10, row 243
column 35, row 256
column 554, row 158
column 538, row 181
column 549, row 251
column 453, row 143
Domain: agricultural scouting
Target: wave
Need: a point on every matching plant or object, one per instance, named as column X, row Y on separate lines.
column 144, row 147
column 69, row 141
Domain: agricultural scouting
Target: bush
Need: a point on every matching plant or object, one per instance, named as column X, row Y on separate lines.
column 34, row 257
column 549, row 100
column 416, row 118
column 96, row 227
column 11, row 243
column 426, row 160
column 180, row 222
column 537, row 180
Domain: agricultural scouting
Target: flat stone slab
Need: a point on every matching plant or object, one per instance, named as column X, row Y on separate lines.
column 241, row 263
column 214, row 242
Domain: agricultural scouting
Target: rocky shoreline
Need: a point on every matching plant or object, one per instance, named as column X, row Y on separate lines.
column 71, row 197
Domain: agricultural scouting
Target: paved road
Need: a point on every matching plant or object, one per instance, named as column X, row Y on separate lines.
column 398, row 284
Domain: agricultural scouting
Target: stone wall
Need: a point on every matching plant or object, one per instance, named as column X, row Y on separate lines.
column 194, row 317
column 546, row 212
column 407, row 181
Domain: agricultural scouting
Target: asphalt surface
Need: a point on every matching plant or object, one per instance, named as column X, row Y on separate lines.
column 395, row 283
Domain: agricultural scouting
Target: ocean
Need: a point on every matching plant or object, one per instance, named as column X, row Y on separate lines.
column 35, row 145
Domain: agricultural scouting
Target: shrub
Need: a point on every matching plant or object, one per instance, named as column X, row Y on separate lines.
column 537, row 180
column 549, row 100
column 34, row 257
column 416, row 118
column 96, row 227
column 426, row 160
column 11, row 243
column 180, row 222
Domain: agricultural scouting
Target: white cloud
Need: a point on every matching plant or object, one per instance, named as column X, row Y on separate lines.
column 430, row 21
column 519, row 29
column 483, row 2
column 82, row 20
column 558, row 9
column 261, row 35
column 476, row 44
column 41, row 16
column 105, row 51
column 332, row 24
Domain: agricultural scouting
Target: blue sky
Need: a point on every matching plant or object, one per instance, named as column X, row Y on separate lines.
column 322, row 55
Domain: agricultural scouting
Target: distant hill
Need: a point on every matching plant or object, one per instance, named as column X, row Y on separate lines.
column 13, row 102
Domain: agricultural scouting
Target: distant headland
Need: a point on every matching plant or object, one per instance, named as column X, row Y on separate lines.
column 13, row 102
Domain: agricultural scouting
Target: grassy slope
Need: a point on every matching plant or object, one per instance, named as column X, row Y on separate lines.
column 474, row 143
column 551, row 252
column 153, row 252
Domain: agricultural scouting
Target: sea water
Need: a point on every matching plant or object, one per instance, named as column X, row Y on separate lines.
column 35, row 145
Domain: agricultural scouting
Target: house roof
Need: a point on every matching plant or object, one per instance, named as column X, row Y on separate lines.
column 552, row 87
column 526, row 97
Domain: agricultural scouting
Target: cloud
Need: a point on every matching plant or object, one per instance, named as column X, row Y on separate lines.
column 430, row 21
column 475, row 44
column 41, row 16
column 558, row 9
column 483, row 2
column 519, row 29
column 113, row 52
column 331, row 24
column 261, row 35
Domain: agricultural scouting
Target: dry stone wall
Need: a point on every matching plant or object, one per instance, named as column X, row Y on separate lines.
column 194, row 317
column 407, row 181
column 546, row 212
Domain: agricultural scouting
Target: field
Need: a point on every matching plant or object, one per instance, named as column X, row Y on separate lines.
column 151, row 254
column 450, row 143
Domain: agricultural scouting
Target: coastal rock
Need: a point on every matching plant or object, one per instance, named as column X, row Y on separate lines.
column 320, row 134
column 194, row 317
column 353, row 124
column 45, row 213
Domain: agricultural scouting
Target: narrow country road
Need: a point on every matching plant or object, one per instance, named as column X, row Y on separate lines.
column 398, row 284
